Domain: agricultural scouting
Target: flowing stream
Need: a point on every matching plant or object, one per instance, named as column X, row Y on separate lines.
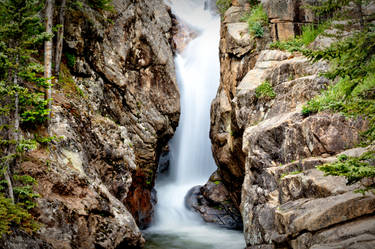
column 191, row 164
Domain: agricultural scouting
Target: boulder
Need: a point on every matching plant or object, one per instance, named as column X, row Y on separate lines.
column 212, row 202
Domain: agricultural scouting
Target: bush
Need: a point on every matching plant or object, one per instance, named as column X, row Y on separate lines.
column 70, row 59
column 256, row 19
column 354, row 169
column 311, row 31
column 265, row 91
column 223, row 5
column 101, row 4
column 309, row 34
column 353, row 63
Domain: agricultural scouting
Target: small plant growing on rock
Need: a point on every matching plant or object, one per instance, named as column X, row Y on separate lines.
column 354, row 169
column 265, row 91
column 256, row 19
column 223, row 5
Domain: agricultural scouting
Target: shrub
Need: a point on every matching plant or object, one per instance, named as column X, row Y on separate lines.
column 256, row 19
column 265, row 91
column 309, row 34
column 223, row 5
column 70, row 59
column 353, row 63
column 101, row 4
column 311, row 31
column 353, row 169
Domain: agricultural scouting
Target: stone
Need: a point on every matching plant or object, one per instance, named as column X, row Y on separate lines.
column 316, row 214
column 212, row 202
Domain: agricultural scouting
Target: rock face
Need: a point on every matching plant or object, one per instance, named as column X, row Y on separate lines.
column 288, row 17
column 114, row 110
column 266, row 150
column 213, row 203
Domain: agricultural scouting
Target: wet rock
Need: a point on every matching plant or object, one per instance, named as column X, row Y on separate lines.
column 182, row 34
column 213, row 204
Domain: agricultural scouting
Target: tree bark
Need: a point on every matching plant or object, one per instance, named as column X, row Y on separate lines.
column 60, row 39
column 14, row 136
column 360, row 12
column 48, row 57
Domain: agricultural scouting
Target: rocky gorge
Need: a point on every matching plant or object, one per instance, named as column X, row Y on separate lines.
column 117, row 105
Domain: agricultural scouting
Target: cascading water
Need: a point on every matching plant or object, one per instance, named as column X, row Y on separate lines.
column 198, row 75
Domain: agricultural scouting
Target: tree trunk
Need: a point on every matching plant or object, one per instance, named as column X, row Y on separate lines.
column 9, row 183
column 48, row 57
column 360, row 12
column 14, row 136
column 60, row 39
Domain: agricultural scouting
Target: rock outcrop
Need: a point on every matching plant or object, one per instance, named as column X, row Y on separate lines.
column 213, row 203
column 267, row 151
column 114, row 110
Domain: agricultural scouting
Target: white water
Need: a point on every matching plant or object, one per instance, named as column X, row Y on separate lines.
column 198, row 75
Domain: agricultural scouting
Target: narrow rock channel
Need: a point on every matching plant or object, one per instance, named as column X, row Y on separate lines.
column 198, row 73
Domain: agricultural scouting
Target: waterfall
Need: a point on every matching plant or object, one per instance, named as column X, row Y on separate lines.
column 191, row 164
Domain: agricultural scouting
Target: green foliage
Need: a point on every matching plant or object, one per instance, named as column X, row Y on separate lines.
column 256, row 19
column 290, row 173
column 352, row 58
column 22, row 89
column 101, row 4
column 223, row 5
column 353, row 63
column 67, row 84
column 265, row 91
column 70, row 59
column 354, row 169
column 253, row 2
column 15, row 215
column 327, row 8
column 292, row 45
column 311, row 31
column 309, row 34
column 21, row 33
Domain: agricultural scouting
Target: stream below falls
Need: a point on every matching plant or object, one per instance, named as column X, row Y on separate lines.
column 191, row 161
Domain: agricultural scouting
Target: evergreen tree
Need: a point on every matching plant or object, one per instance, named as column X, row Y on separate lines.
column 22, row 102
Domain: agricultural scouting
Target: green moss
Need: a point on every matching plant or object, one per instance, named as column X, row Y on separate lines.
column 67, row 84
column 265, row 91
column 217, row 182
column 290, row 173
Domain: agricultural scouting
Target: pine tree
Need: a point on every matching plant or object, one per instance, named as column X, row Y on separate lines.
column 22, row 101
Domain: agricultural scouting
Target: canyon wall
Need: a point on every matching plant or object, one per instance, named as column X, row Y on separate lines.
column 115, row 107
column 266, row 150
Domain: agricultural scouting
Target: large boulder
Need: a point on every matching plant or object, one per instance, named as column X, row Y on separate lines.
column 212, row 202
